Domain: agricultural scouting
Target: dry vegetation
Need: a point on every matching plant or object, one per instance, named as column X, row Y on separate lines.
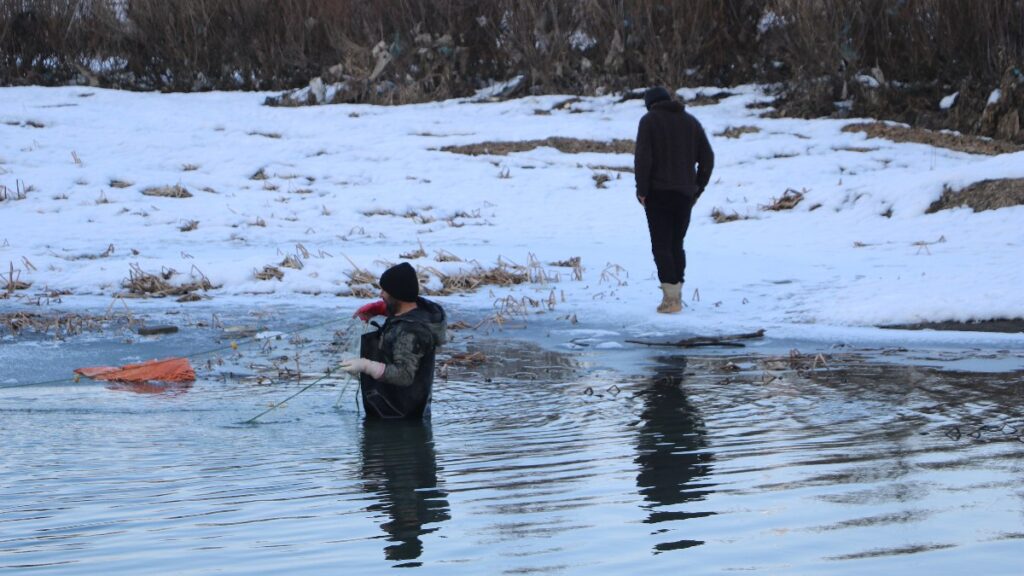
column 721, row 217
column 142, row 284
column 565, row 145
column 981, row 196
column 789, row 199
column 269, row 273
column 176, row 191
column 960, row 143
column 468, row 278
column 737, row 131
column 20, row 192
column 11, row 281
column 60, row 324
column 879, row 56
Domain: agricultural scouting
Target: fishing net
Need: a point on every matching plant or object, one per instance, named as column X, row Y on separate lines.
column 167, row 370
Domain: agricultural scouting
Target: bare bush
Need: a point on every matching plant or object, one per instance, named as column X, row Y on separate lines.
column 887, row 56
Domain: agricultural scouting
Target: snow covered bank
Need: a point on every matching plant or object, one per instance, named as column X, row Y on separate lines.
column 338, row 188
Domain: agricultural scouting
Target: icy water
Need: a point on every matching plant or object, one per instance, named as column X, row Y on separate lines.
column 534, row 462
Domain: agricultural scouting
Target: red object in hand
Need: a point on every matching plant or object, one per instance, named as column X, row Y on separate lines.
column 367, row 311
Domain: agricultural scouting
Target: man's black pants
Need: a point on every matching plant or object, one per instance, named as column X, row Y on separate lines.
column 668, row 218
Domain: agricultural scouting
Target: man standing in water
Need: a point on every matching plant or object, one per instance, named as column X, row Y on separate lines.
column 396, row 367
column 673, row 163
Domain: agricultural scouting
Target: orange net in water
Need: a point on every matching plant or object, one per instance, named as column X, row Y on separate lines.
column 167, row 370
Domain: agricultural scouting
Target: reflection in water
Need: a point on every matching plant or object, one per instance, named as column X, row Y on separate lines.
column 671, row 434
column 400, row 469
column 169, row 388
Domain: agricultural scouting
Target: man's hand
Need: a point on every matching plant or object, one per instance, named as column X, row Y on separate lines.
column 356, row 366
column 367, row 311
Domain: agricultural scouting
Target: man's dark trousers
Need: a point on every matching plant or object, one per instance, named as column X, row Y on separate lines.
column 668, row 218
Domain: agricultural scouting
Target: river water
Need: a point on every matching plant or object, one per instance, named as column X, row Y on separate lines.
column 534, row 462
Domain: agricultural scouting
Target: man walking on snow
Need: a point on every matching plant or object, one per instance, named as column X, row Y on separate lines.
column 673, row 163
column 396, row 370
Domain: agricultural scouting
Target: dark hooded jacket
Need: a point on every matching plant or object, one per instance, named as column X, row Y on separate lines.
column 672, row 152
column 406, row 345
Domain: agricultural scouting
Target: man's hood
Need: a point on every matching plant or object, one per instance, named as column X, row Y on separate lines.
column 672, row 106
column 429, row 314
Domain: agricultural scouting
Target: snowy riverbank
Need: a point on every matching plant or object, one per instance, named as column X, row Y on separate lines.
column 336, row 187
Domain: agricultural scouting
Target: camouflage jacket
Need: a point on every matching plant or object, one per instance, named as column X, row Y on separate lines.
column 406, row 339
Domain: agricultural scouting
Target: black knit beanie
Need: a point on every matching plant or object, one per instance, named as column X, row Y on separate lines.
column 400, row 282
column 656, row 94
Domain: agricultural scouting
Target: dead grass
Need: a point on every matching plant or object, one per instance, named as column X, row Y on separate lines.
column 61, row 324
column 565, row 145
column 415, row 254
column 19, row 192
column 737, row 131
column 446, row 256
column 628, row 169
column 959, row 143
column 176, row 191
column 144, row 284
column 721, row 217
column 470, row 280
column 269, row 273
column 504, row 273
column 189, row 226
column 981, row 196
column 702, row 99
column 575, row 263
column 115, row 183
column 361, row 281
column 292, row 261
column 789, row 199
column 600, row 180
column 12, row 282
column 420, row 217
column 105, row 254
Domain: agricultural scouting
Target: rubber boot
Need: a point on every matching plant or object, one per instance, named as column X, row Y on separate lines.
column 670, row 298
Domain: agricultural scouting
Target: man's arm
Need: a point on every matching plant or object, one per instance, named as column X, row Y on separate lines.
column 642, row 160
column 705, row 160
column 405, row 357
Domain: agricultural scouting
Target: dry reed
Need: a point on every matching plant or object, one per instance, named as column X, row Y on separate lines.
column 176, row 191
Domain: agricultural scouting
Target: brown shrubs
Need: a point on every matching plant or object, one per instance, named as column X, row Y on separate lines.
column 981, row 196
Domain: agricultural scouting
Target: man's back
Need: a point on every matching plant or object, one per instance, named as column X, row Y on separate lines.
column 670, row 143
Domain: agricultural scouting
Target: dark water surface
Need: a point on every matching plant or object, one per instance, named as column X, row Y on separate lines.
column 533, row 463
